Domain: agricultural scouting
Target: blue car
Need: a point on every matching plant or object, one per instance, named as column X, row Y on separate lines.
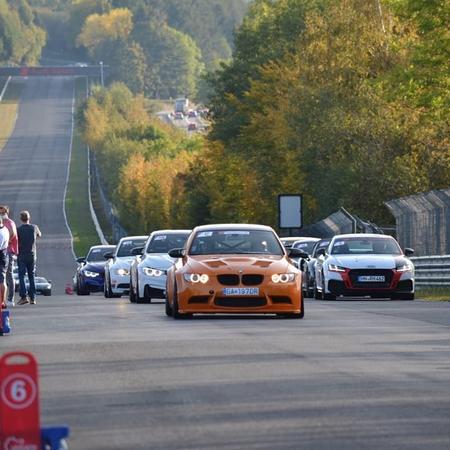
column 90, row 275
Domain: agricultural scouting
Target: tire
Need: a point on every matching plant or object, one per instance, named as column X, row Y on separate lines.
column 175, row 314
column 147, row 298
column 131, row 294
column 138, row 298
column 106, row 288
column 169, row 311
column 324, row 295
column 48, row 293
column 402, row 296
column 81, row 289
column 317, row 295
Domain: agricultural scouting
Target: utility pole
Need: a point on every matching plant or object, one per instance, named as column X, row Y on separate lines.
column 101, row 74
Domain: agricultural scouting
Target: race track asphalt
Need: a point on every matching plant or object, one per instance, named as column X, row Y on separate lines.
column 33, row 170
column 352, row 375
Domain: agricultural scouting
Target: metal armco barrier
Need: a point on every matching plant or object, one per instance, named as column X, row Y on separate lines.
column 432, row 270
column 53, row 71
column 423, row 222
column 340, row 222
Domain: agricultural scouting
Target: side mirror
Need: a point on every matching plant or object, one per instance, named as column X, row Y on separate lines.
column 81, row 260
column 321, row 252
column 176, row 253
column 137, row 251
column 109, row 255
column 296, row 253
column 409, row 252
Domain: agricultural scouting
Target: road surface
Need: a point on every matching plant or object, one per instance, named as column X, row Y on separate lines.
column 352, row 375
column 33, row 170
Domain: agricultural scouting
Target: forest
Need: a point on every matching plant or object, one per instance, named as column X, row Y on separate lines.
column 348, row 105
column 161, row 48
column 346, row 102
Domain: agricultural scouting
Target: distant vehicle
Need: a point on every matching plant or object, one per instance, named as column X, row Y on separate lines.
column 234, row 268
column 288, row 241
column 181, row 105
column 192, row 126
column 178, row 116
column 309, row 268
column 43, row 286
column 364, row 264
column 148, row 272
column 192, row 114
column 91, row 270
column 117, row 267
column 306, row 244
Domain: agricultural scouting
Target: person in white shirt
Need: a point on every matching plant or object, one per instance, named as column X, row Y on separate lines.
column 4, row 241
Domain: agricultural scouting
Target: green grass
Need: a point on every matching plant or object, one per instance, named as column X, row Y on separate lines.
column 437, row 294
column 8, row 109
column 77, row 200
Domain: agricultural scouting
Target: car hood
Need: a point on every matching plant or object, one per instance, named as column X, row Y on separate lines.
column 122, row 262
column 367, row 261
column 161, row 261
column 256, row 263
column 95, row 267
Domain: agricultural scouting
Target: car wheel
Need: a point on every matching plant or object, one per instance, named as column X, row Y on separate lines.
column 169, row 311
column 139, row 299
column 147, row 298
column 324, row 295
column 106, row 290
column 317, row 294
column 131, row 294
column 175, row 313
column 48, row 292
column 402, row 296
column 81, row 289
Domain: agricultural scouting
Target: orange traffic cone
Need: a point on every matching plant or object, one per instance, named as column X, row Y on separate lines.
column 69, row 289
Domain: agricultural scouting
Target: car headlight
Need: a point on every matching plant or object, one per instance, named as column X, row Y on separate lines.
column 404, row 267
column 196, row 277
column 283, row 277
column 153, row 272
column 335, row 268
column 122, row 272
column 88, row 273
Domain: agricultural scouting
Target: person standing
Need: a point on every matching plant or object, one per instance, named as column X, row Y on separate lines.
column 4, row 241
column 13, row 249
column 26, row 259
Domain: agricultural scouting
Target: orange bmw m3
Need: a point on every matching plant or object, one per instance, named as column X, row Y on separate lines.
column 232, row 269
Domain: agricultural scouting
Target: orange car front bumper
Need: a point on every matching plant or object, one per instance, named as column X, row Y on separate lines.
column 271, row 298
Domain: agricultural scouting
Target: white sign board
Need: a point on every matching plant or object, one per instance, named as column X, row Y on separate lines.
column 290, row 211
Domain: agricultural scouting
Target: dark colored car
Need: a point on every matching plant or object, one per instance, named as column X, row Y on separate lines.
column 91, row 270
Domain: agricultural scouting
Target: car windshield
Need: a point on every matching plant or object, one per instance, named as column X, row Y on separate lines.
column 163, row 243
column 239, row 242
column 98, row 254
column 366, row 246
column 319, row 245
column 305, row 246
column 127, row 246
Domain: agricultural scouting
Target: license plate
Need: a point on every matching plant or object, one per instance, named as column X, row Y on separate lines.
column 371, row 278
column 241, row 291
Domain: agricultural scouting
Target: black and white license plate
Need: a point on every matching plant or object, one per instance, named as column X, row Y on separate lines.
column 240, row 291
column 371, row 279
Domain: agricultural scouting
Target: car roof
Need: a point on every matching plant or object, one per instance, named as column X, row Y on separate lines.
column 310, row 239
column 232, row 226
column 102, row 246
column 362, row 235
column 169, row 232
column 130, row 238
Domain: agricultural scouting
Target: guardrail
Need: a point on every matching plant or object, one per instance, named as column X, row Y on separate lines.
column 432, row 270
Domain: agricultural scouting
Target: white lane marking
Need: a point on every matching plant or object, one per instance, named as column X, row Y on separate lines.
column 4, row 88
column 68, row 172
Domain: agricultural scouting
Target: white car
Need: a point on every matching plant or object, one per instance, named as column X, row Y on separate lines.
column 364, row 265
column 117, row 268
column 308, row 268
column 148, row 271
